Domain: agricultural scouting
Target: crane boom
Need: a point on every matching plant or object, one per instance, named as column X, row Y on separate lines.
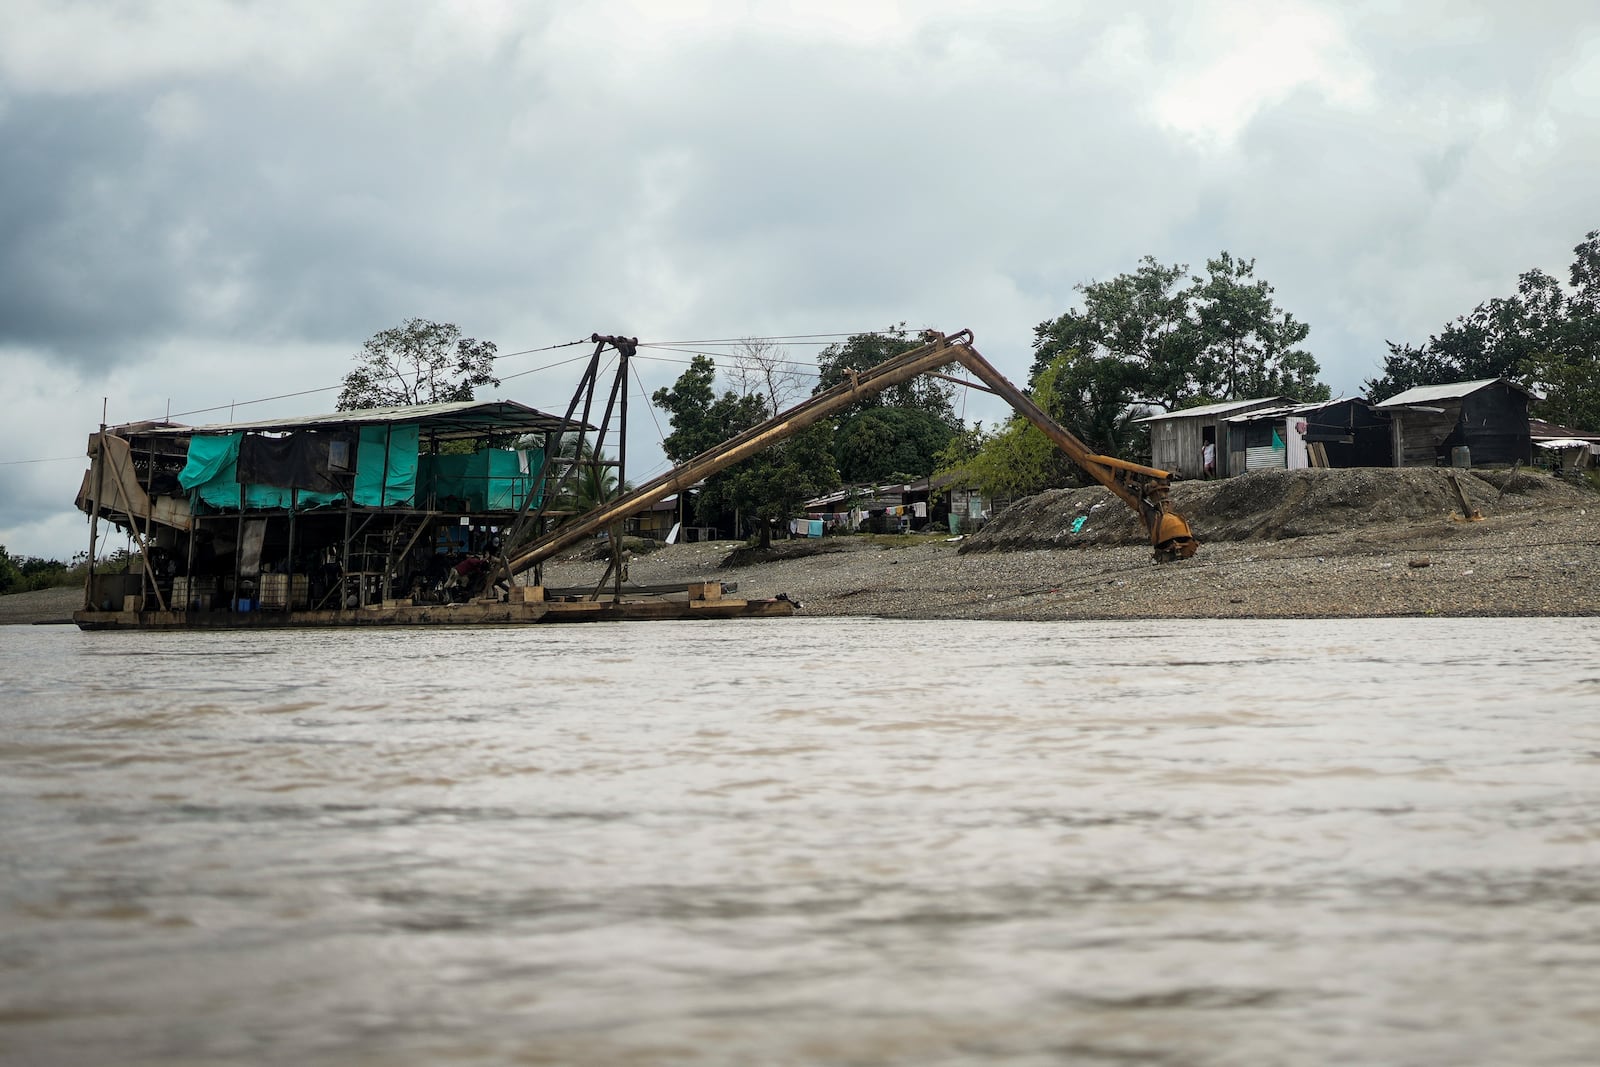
column 1144, row 489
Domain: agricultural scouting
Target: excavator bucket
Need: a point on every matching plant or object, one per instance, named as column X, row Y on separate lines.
column 1173, row 538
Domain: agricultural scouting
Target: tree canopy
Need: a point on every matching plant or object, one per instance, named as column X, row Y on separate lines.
column 884, row 444
column 864, row 350
column 1152, row 337
column 896, row 434
column 1164, row 338
column 700, row 418
column 1016, row 458
column 771, row 485
column 1545, row 335
column 417, row 362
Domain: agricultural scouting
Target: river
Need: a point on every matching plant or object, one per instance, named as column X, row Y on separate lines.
column 805, row 841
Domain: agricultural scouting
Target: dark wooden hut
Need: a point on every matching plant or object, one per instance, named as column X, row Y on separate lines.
column 1487, row 420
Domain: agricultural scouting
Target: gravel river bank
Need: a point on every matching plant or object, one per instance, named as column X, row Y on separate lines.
column 1280, row 544
column 1276, row 544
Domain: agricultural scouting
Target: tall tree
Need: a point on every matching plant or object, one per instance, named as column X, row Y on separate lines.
column 761, row 368
column 1248, row 347
column 772, row 487
column 1545, row 335
column 769, row 486
column 1141, row 320
column 1016, row 459
column 897, row 433
column 889, row 444
column 1173, row 340
column 1095, row 398
column 864, row 350
column 700, row 418
column 418, row 362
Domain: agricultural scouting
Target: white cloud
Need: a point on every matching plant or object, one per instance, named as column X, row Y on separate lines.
column 1232, row 62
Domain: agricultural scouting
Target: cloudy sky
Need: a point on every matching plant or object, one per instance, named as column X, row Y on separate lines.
column 207, row 204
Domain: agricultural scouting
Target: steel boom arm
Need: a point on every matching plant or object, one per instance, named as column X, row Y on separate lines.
column 1142, row 488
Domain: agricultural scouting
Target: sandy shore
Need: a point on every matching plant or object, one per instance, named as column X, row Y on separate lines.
column 1285, row 545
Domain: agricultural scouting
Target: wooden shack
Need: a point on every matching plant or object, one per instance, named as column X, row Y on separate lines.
column 1178, row 438
column 1477, row 423
column 1564, row 448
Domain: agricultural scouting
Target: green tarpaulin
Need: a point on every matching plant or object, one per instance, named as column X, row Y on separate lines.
column 212, row 471
column 491, row 480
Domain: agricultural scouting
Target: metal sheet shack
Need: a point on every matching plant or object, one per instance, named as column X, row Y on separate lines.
column 1344, row 432
column 1487, row 419
column 1564, row 448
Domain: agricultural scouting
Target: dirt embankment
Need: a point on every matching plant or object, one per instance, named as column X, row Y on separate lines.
column 1276, row 504
column 1275, row 544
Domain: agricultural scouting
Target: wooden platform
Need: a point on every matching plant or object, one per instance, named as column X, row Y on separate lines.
column 473, row 613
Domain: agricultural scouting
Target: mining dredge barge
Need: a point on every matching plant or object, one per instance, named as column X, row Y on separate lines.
column 354, row 518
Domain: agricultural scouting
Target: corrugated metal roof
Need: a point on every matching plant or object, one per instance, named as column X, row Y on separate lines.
column 1260, row 413
column 1287, row 409
column 1427, row 394
column 1318, row 405
column 1222, row 408
column 464, row 418
column 1540, row 430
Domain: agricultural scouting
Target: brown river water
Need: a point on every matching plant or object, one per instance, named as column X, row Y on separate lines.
column 805, row 841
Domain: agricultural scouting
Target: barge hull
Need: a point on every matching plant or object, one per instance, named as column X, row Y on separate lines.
column 471, row 614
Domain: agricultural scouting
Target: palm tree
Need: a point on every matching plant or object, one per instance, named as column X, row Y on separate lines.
column 588, row 484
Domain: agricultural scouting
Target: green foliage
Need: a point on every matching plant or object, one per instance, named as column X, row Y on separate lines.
column 1570, row 384
column 1171, row 340
column 898, row 433
column 1248, row 346
column 23, row 574
column 700, row 418
column 418, row 362
column 771, row 484
column 865, row 350
column 593, row 483
column 889, row 444
column 1094, row 398
column 10, row 573
column 1546, row 336
column 1013, row 460
column 1017, row 459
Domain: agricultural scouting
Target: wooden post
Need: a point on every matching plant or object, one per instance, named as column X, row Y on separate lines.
column 238, row 552
column 294, row 504
column 94, row 511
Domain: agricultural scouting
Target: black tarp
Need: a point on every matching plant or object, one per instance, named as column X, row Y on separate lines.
column 296, row 461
